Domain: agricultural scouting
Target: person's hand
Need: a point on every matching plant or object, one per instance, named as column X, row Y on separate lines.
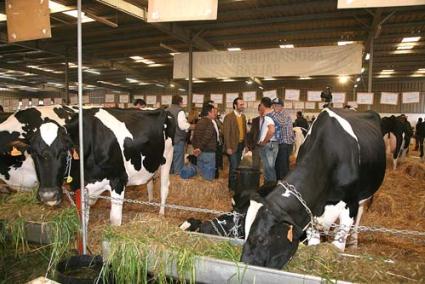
column 229, row 151
column 262, row 143
column 197, row 152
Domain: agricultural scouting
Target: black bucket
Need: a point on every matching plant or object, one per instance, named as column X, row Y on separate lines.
column 80, row 269
column 247, row 179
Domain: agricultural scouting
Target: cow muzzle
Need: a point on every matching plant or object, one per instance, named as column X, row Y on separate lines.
column 50, row 196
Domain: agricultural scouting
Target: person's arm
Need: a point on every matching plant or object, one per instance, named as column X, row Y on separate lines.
column 270, row 132
column 226, row 134
column 182, row 121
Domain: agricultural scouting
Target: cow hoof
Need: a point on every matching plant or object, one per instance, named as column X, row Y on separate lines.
column 162, row 211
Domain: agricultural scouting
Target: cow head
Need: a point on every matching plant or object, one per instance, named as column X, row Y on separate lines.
column 50, row 148
column 271, row 240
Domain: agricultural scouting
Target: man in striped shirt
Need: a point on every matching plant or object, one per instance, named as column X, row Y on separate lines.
column 285, row 137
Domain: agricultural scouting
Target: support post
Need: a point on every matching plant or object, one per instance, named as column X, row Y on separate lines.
column 370, row 71
column 67, row 100
column 80, row 126
column 189, row 89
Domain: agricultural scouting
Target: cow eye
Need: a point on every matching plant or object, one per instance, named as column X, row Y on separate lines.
column 261, row 240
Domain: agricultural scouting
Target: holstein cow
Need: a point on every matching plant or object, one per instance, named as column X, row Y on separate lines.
column 121, row 147
column 341, row 164
column 17, row 167
column 396, row 136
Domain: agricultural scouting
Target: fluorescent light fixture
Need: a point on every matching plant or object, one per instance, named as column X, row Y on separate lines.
column 137, row 57
column 57, row 8
column 384, row 76
column 146, row 61
column 229, row 80
column 131, row 80
column 109, row 83
column 358, row 79
column 172, row 85
column 355, row 86
column 199, row 81
column 269, row 79
column 249, row 82
column 182, row 90
column 403, row 46
column 156, row 65
column 417, row 75
column 92, row 71
column 421, row 70
column 411, row 39
column 305, row 78
column 367, row 57
column 44, row 69
column 340, row 43
column 363, row 69
column 3, row 17
column 143, row 83
column 174, row 53
column 159, row 85
column 286, row 46
column 343, row 79
column 388, row 71
column 403, row 51
column 233, row 49
column 259, row 87
column 74, row 13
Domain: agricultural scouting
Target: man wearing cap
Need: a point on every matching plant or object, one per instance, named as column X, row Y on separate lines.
column 284, row 136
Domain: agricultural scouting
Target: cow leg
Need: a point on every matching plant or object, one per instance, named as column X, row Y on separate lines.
column 353, row 242
column 116, row 208
column 150, row 190
column 165, row 173
column 313, row 236
column 345, row 222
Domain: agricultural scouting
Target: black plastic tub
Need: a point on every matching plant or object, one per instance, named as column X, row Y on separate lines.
column 80, row 269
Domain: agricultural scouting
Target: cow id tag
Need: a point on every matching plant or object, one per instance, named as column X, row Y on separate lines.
column 68, row 179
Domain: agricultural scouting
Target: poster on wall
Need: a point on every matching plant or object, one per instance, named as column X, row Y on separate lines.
column 292, row 95
column 298, row 105
column 139, row 97
column 288, row 105
column 86, row 99
column 34, row 102
column 150, row 100
column 14, row 104
column 338, row 98
column 166, row 100
column 217, row 98
column 314, row 96
column 230, row 97
column 109, row 98
column 410, row 97
column 124, row 99
column 389, row 98
column 310, row 105
column 57, row 101
column 73, row 100
column 338, row 105
column 47, row 101
column 198, row 99
column 249, row 96
column 270, row 94
column 25, row 103
column 364, row 98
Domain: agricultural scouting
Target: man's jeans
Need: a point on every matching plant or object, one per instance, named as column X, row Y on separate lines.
column 178, row 158
column 268, row 154
column 282, row 160
column 206, row 165
column 234, row 161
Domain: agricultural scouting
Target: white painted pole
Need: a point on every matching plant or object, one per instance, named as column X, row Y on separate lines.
column 80, row 129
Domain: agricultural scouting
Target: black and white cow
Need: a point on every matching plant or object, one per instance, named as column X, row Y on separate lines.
column 341, row 164
column 121, row 147
column 17, row 167
column 396, row 136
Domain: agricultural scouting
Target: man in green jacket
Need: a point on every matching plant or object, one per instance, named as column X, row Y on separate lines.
column 234, row 132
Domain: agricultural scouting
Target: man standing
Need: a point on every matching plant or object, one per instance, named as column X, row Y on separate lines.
column 285, row 137
column 300, row 121
column 420, row 133
column 205, row 142
column 234, row 132
column 182, row 127
column 268, row 145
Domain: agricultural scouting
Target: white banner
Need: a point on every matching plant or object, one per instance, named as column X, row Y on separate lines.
column 410, row 97
column 314, row 96
column 389, row 98
column 109, row 98
column 217, row 98
column 25, row 103
column 198, row 99
column 166, row 100
column 137, row 97
column 230, row 97
column 272, row 94
column 338, row 98
column 86, row 99
column 249, row 96
column 172, row 10
column 364, row 98
column 347, row 4
column 73, row 100
column 302, row 61
column 150, row 100
column 310, row 105
column 298, row 105
column 124, row 99
column 352, row 104
column 34, row 102
column 57, row 101
column 292, row 95
column 288, row 105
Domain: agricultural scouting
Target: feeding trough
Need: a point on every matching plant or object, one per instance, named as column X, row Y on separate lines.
column 79, row 269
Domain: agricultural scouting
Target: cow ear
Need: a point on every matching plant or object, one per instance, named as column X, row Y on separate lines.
column 17, row 148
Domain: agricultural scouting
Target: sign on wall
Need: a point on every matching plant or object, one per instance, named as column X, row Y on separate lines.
column 198, row 99
column 347, row 4
column 270, row 94
column 249, row 96
column 302, row 61
column 47, row 101
column 338, row 105
column 57, row 101
column 352, row 104
column 292, row 95
column 150, row 100
column 314, row 96
column 338, row 98
column 410, row 97
column 217, row 98
column 365, row 98
column 288, row 105
column 124, row 99
column 230, row 97
column 389, row 98
column 310, row 105
column 298, row 105
column 166, row 100
column 109, row 98
column 171, row 10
